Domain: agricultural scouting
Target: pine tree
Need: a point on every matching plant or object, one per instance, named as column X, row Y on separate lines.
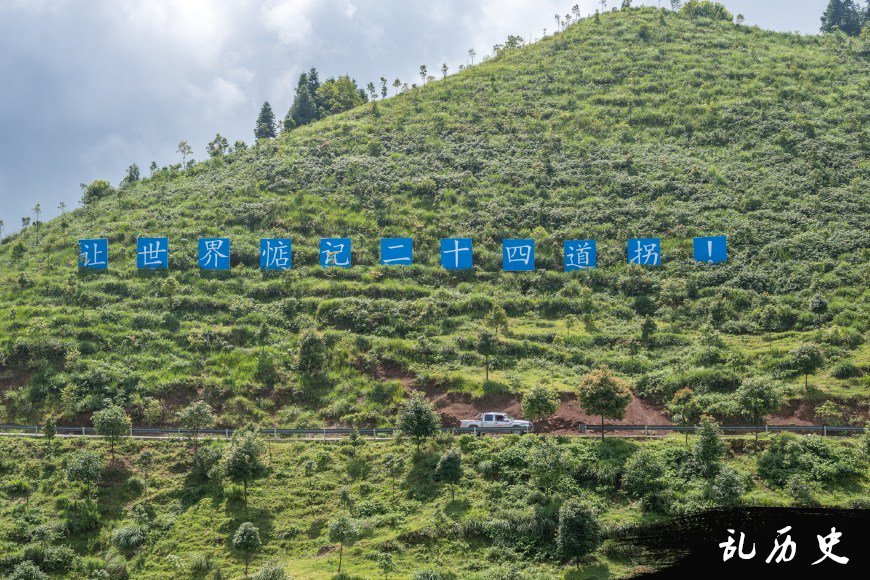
column 304, row 109
column 265, row 128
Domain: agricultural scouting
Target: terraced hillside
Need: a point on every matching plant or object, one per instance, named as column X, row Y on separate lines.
column 638, row 123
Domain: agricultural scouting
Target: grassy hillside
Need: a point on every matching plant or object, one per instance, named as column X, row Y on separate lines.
column 640, row 123
column 155, row 513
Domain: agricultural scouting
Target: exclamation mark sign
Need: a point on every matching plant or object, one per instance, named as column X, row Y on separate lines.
column 710, row 251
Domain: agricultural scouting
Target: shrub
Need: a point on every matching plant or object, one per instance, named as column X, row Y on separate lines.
column 128, row 538
column 727, row 487
column 27, row 570
column 270, row 571
column 810, row 456
column 644, row 474
column 802, row 490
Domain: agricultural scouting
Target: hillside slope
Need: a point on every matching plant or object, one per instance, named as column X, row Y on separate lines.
column 641, row 124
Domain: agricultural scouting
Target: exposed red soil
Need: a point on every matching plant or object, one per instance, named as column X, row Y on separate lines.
column 797, row 413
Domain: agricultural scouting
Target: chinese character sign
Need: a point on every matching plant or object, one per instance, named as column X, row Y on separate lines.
column 456, row 253
column 396, row 251
column 335, row 252
column 645, row 251
column 214, row 253
column 94, row 254
column 276, row 254
column 711, row 249
column 580, row 254
column 518, row 255
column 152, row 253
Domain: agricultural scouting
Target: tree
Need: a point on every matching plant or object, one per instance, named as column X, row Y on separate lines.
column 423, row 74
column 386, row 564
column 706, row 9
column 37, row 211
column 396, row 84
column 304, row 109
column 247, row 541
column 265, row 127
column 195, row 417
column 395, row 466
column 339, row 94
column 844, row 15
column 709, row 448
column 807, row 359
column 647, row 328
column 497, row 319
column 418, row 418
column 372, row 90
column 312, row 352
column 578, row 533
column 757, row 398
column 603, row 394
column 444, row 70
column 84, row 467
column 487, row 345
column 99, row 189
column 184, row 149
column 830, row 413
column 169, row 288
column 218, row 146
column 132, row 175
column 449, row 470
column 676, row 5
column 471, row 54
column 383, row 87
column 539, row 403
column 2, row 224
column 818, row 306
column 241, row 462
column 684, row 409
column 49, row 430
column 113, row 424
column 342, row 531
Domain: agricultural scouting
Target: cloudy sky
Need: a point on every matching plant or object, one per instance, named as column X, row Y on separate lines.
column 90, row 86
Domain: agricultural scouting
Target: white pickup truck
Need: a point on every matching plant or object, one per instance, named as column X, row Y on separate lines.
column 499, row 420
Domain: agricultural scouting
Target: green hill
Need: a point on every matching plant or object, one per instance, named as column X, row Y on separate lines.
column 640, row 123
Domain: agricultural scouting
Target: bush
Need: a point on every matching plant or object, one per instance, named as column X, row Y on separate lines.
column 128, row 538
column 27, row 570
column 644, row 474
column 434, row 575
column 802, row 491
column 727, row 487
column 809, row 456
column 270, row 571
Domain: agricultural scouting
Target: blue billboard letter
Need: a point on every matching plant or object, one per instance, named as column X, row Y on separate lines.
column 335, row 252
column 518, row 255
column 94, row 254
column 456, row 253
column 214, row 253
column 152, row 253
column 580, row 254
column 276, row 254
column 712, row 250
column 397, row 251
column 645, row 251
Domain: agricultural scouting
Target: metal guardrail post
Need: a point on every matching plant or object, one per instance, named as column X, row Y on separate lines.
column 824, row 430
column 83, row 430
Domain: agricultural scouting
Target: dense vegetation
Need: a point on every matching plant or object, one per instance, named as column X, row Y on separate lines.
column 478, row 508
column 639, row 122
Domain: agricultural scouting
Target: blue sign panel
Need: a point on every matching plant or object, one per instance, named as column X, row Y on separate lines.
column 712, row 250
column 214, row 253
column 645, row 251
column 276, row 254
column 580, row 254
column 94, row 254
column 335, row 252
column 456, row 253
column 152, row 253
column 397, row 251
column 518, row 255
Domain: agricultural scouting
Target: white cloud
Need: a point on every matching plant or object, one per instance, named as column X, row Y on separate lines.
column 288, row 19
